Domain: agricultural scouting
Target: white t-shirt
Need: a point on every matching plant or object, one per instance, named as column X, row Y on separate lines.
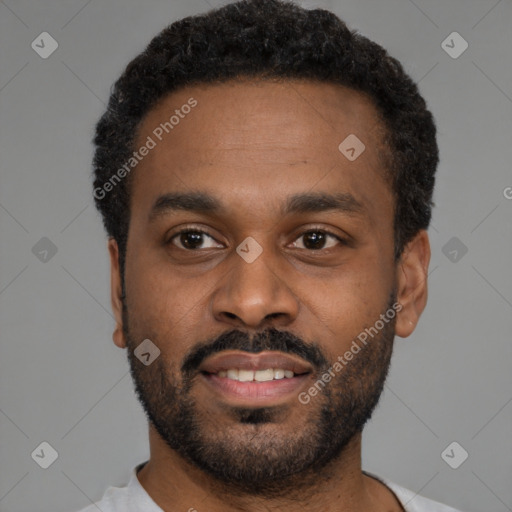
column 134, row 498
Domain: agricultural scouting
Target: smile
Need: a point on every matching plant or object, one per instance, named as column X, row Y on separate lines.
column 256, row 376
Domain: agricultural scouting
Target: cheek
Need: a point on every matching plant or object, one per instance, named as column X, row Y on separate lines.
column 161, row 303
column 350, row 300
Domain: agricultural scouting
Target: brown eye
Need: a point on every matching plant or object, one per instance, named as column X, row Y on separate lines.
column 316, row 240
column 191, row 240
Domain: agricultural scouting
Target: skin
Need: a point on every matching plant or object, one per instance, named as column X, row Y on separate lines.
column 251, row 144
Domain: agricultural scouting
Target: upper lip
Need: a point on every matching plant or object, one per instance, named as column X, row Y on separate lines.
column 261, row 361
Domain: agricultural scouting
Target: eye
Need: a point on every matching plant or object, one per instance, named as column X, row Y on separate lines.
column 191, row 239
column 315, row 240
column 194, row 239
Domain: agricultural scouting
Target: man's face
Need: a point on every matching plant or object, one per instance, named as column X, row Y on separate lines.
column 305, row 297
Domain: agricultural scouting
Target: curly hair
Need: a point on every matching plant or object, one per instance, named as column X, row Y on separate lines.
column 271, row 39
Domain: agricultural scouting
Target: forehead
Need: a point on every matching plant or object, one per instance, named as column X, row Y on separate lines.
column 254, row 142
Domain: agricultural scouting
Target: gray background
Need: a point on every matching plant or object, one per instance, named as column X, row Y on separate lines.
column 63, row 381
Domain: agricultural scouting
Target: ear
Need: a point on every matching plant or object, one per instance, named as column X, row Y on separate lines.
column 116, row 293
column 412, row 274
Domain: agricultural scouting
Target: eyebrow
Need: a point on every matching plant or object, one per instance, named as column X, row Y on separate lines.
column 311, row 202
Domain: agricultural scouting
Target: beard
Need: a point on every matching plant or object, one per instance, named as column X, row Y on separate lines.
column 252, row 450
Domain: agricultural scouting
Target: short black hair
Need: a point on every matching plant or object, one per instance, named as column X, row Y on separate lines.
column 270, row 39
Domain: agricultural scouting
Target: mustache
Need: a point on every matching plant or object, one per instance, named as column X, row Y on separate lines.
column 270, row 339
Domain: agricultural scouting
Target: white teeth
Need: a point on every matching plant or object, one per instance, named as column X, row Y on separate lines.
column 258, row 375
column 245, row 375
column 278, row 374
column 263, row 375
column 233, row 373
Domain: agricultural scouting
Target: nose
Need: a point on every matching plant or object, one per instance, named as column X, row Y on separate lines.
column 252, row 295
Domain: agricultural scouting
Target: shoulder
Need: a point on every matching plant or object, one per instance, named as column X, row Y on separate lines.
column 112, row 500
column 130, row 498
column 412, row 502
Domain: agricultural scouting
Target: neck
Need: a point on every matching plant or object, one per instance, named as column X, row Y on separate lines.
column 175, row 484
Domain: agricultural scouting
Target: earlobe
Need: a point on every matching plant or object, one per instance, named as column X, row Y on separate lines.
column 412, row 286
column 116, row 293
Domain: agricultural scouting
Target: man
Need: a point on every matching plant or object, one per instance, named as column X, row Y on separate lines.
column 265, row 177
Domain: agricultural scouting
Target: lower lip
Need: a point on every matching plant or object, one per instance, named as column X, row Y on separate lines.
column 255, row 391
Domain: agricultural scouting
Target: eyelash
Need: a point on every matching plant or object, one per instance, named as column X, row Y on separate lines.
column 188, row 229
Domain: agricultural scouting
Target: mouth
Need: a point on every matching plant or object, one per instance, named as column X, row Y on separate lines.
column 255, row 379
column 256, row 375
